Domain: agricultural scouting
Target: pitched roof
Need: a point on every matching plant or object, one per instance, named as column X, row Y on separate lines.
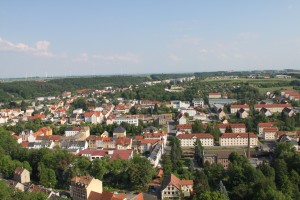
column 82, row 179
column 238, row 135
column 240, row 106
column 272, row 105
column 235, row 125
column 123, row 141
column 119, row 129
column 199, row 135
column 176, row 182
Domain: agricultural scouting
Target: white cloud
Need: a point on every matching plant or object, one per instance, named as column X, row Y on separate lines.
column 84, row 57
column 40, row 49
column 128, row 57
column 248, row 36
column 174, row 58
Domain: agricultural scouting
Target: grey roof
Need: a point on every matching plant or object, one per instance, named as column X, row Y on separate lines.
column 119, row 129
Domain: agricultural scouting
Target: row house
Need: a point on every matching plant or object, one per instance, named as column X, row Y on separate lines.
column 93, row 117
column 191, row 111
column 156, row 154
column 189, row 140
column 176, row 104
column 242, row 113
column 214, row 95
column 11, row 112
column 127, row 119
column 123, row 143
column 198, row 103
column 113, row 154
column 274, row 108
column 73, row 146
column 149, row 103
column 270, row 133
column 236, row 127
column 218, row 157
column 142, row 145
column 82, row 187
column 159, row 136
column 238, row 139
column 236, row 108
column 261, row 126
column 186, row 128
column 99, row 142
column 291, row 95
column 84, row 132
column 173, row 188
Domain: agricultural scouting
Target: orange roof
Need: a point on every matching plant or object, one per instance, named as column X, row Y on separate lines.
column 272, row 105
column 149, row 141
column 270, row 129
column 199, row 135
column 123, row 141
column 240, row 106
column 236, row 125
column 184, row 126
column 82, row 179
column 214, row 93
column 238, row 135
column 266, row 124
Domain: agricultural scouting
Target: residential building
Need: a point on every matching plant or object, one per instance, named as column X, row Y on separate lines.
column 172, row 187
column 274, row 108
column 92, row 117
column 214, row 95
column 22, row 175
column 189, row 140
column 261, row 127
column 119, row 132
column 242, row 113
column 218, row 157
column 221, row 114
column 235, row 127
column 198, row 103
column 123, row 143
column 238, row 139
column 270, row 133
column 111, row 154
column 129, row 120
column 235, row 108
column 81, row 187
column 191, row 111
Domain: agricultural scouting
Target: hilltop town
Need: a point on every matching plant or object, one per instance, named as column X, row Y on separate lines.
column 195, row 136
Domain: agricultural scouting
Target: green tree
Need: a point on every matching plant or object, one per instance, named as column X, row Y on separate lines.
column 140, row 173
column 197, row 127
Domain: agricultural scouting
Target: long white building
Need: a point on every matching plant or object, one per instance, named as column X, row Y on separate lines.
column 238, row 139
column 188, row 140
column 129, row 120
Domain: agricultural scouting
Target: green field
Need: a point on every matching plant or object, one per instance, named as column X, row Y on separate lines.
column 272, row 89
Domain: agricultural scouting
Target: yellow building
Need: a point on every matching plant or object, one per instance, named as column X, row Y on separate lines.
column 81, row 187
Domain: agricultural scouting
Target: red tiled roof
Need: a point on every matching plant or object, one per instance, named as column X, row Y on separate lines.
column 184, row 126
column 272, row 105
column 266, row 124
column 122, row 154
column 237, row 135
column 24, row 144
column 199, row 135
column 240, row 106
column 270, row 129
column 123, row 141
column 236, row 125
column 149, row 141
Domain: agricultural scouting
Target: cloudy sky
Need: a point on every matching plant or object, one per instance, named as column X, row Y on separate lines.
column 98, row 37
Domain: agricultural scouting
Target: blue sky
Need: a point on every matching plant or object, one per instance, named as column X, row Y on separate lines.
column 39, row 38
